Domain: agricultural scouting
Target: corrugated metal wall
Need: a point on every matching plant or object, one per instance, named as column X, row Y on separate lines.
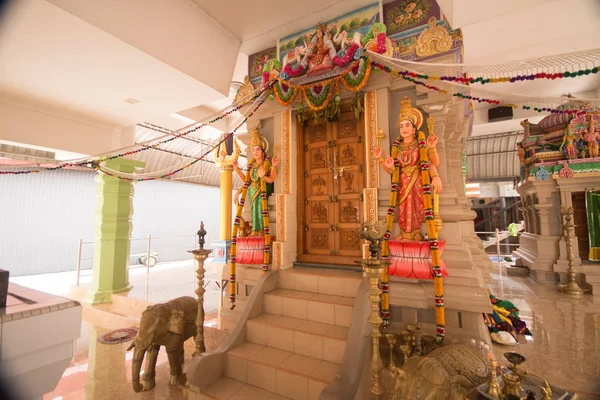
column 493, row 156
column 42, row 217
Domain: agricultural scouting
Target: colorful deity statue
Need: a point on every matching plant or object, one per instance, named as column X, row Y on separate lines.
column 569, row 140
column 321, row 51
column 259, row 179
column 591, row 138
column 411, row 157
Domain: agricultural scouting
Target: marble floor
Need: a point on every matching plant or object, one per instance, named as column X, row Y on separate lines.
column 565, row 343
column 564, row 348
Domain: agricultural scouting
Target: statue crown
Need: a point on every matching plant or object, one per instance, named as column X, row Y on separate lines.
column 409, row 113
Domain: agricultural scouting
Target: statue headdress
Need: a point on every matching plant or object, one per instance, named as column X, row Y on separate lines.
column 259, row 140
column 410, row 113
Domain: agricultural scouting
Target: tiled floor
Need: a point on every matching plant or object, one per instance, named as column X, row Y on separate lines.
column 565, row 343
column 565, row 347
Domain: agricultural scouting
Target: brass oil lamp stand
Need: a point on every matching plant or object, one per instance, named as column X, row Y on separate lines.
column 571, row 288
column 374, row 268
column 200, row 256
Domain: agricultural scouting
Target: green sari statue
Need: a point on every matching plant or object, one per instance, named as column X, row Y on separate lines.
column 258, row 180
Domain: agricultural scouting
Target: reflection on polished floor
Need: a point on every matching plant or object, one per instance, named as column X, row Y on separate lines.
column 565, row 347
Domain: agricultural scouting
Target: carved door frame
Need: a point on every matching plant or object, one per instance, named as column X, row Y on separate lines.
column 336, row 213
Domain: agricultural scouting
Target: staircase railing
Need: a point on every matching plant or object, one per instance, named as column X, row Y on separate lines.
column 498, row 213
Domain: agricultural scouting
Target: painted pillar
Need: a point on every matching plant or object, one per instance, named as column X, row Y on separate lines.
column 226, row 199
column 225, row 163
column 112, row 231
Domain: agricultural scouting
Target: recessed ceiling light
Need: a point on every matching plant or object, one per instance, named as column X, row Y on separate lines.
column 131, row 101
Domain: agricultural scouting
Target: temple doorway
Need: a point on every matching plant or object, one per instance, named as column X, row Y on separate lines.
column 331, row 179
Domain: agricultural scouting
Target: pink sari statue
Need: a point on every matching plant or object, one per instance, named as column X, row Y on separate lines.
column 411, row 209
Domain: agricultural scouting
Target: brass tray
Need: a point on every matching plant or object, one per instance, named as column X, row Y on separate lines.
column 528, row 383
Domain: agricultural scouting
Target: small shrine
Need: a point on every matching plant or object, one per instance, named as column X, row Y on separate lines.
column 560, row 171
column 347, row 137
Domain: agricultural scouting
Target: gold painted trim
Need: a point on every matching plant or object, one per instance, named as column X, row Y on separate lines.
column 280, row 215
column 286, row 126
column 277, row 249
column 370, row 138
column 370, row 204
column 434, row 39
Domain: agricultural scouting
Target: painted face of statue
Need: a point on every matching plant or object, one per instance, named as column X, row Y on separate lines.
column 257, row 153
column 407, row 130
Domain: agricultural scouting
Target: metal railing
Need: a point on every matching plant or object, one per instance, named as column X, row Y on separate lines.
column 147, row 256
column 498, row 214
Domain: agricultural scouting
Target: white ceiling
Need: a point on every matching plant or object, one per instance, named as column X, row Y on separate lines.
column 86, row 62
column 50, row 56
column 259, row 23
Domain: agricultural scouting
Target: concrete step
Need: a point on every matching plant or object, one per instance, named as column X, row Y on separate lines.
column 322, row 281
column 311, row 306
column 309, row 338
column 231, row 389
column 278, row 371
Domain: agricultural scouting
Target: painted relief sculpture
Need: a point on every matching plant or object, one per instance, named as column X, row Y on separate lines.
column 569, row 140
column 561, row 145
column 258, row 185
column 167, row 324
column 415, row 182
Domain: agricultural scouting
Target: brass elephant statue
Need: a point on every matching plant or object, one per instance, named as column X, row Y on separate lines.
column 447, row 373
column 167, row 324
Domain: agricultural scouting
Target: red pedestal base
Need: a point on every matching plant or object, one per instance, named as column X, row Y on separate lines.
column 412, row 259
column 250, row 250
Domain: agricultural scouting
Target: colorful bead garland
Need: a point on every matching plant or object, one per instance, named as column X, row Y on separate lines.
column 144, row 148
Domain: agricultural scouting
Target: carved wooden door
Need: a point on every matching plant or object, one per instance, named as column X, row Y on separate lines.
column 330, row 209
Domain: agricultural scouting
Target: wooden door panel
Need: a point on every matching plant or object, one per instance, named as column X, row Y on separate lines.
column 350, row 184
column 348, row 154
column 333, row 180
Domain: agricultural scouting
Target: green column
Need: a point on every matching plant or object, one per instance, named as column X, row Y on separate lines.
column 112, row 231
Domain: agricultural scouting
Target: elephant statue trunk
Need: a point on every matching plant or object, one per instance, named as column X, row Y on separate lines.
column 168, row 324
column 136, row 366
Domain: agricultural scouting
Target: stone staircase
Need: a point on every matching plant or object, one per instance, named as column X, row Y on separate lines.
column 294, row 348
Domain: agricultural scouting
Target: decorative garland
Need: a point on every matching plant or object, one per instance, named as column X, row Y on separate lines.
column 405, row 75
column 518, row 78
column 434, row 246
column 144, row 148
column 431, row 232
column 389, row 220
column 98, row 168
column 236, row 226
column 356, row 78
column 285, row 93
column 318, row 95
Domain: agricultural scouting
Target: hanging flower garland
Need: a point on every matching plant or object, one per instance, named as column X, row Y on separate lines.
column 389, row 220
column 318, row 95
column 95, row 161
column 285, row 93
column 357, row 76
column 434, row 248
